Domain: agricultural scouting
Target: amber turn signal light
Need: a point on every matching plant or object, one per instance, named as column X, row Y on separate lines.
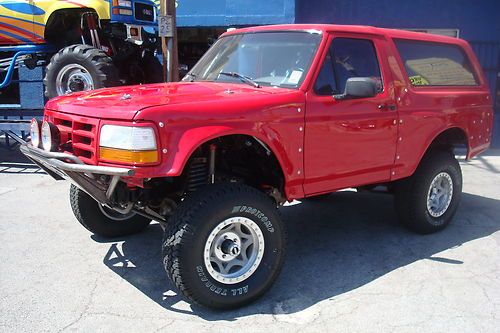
column 128, row 156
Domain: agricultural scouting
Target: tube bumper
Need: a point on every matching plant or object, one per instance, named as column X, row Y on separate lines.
column 62, row 165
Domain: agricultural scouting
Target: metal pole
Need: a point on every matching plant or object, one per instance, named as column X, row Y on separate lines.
column 173, row 53
column 164, row 50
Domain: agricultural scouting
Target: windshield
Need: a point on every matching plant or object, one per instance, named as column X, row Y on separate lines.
column 279, row 59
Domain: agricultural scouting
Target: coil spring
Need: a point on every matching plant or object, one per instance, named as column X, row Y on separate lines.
column 198, row 174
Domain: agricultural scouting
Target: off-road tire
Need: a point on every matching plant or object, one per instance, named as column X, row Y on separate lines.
column 193, row 222
column 411, row 193
column 88, row 213
column 98, row 64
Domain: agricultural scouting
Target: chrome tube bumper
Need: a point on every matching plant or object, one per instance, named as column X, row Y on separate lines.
column 62, row 165
column 55, row 160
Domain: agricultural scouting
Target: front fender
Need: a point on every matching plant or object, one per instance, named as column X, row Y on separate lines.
column 190, row 139
column 101, row 7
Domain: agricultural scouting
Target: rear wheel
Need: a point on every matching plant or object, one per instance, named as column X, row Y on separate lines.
column 224, row 246
column 79, row 68
column 427, row 201
column 101, row 220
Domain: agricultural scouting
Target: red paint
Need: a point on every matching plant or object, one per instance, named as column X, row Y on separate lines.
column 342, row 143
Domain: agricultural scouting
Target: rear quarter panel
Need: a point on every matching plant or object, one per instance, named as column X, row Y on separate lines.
column 426, row 112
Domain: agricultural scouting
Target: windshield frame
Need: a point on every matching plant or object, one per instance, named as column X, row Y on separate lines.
column 192, row 77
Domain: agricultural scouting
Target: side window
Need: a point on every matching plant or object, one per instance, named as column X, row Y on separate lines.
column 435, row 64
column 325, row 82
column 354, row 58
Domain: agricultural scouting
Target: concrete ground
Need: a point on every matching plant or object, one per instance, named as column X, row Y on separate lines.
column 350, row 267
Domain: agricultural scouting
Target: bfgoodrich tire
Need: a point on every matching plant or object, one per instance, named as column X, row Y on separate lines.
column 224, row 246
column 103, row 221
column 77, row 68
column 427, row 201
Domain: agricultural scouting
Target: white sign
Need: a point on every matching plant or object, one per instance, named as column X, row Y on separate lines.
column 165, row 26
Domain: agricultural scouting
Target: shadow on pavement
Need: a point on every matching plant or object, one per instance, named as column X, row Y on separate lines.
column 335, row 246
column 13, row 161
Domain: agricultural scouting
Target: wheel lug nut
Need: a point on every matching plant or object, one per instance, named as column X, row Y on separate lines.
column 223, row 256
column 235, row 240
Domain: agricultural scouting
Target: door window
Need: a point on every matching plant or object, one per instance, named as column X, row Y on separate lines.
column 347, row 58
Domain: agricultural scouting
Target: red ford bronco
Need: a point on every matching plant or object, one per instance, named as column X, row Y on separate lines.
column 268, row 115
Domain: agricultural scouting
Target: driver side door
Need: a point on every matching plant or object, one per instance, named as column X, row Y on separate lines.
column 349, row 142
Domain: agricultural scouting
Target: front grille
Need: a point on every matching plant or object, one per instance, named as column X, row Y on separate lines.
column 144, row 12
column 78, row 136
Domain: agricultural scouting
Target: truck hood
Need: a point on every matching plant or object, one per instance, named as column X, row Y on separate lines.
column 123, row 103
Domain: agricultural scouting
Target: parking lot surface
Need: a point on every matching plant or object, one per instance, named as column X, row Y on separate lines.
column 350, row 267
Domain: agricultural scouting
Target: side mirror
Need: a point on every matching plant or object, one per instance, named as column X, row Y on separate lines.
column 358, row 87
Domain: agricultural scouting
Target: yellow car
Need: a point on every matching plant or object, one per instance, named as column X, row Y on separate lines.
column 118, row 34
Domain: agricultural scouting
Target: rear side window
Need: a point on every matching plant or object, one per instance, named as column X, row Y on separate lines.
column 434, row 64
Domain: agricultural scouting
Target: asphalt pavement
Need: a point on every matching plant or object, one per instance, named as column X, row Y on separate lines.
column 350, row 267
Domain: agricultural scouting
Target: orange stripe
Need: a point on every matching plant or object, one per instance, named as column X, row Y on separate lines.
column 17, row 31
column 10, row 39
column 18, row 23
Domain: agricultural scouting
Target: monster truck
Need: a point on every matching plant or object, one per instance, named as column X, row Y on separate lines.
column 86, row 44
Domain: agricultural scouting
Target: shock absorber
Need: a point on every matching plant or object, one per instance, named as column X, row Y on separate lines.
column 211, row 170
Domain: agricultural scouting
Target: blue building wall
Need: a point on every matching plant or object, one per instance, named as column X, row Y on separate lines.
column 477, row 20
column 227, row 13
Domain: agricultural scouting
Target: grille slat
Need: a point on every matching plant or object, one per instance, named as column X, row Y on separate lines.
column 79, row 134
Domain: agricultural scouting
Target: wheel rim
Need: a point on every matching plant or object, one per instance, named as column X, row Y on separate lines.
column 440, row 194
column 234, row 250
column 73, row 78
column 113, row 214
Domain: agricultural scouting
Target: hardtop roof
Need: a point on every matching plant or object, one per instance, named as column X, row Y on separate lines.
column 359, row 29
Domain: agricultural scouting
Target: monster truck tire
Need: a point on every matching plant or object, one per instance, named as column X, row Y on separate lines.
column 190, row 242
column 103, row 221
column 79, row 67
column 427, row 201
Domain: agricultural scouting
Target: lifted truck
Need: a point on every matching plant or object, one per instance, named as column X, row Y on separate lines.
column 268, row 115
column 86, row 44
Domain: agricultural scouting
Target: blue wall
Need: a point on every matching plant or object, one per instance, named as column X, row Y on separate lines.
column 477, row 20
column 227, row 13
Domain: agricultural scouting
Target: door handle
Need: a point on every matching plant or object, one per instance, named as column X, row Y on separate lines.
column 386, row 107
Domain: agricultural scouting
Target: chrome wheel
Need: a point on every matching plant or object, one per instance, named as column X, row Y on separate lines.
column 73, row 78
column 440, row 194
column 113, row 214
column 234, row 250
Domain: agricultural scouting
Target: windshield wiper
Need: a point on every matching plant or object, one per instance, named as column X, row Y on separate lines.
column 243, row 78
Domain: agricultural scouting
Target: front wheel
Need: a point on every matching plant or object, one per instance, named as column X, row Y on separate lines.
column 79, row 68
column 224, row 246
column 427, row 201
column 101, row 220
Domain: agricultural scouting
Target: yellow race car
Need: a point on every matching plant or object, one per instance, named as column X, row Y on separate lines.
column 85, row 44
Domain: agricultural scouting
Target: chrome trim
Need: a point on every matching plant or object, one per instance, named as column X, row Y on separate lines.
column 53, row 159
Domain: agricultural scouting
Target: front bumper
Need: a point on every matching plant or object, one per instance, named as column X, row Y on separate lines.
column 87, row 177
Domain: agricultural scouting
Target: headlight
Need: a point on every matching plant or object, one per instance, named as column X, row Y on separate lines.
column 51, row 137
column 122, row 3
column 128, row 144
column 35, row 132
